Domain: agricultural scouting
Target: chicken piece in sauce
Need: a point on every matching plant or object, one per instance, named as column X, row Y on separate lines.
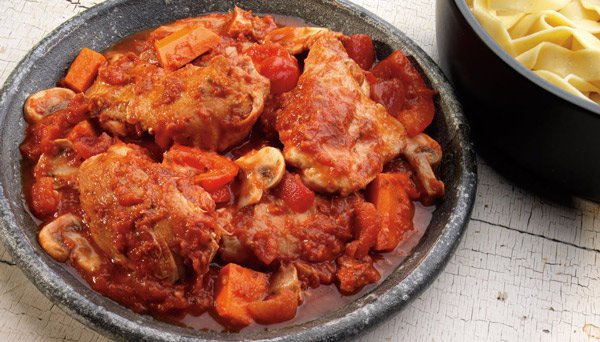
column 148, row 217
column 212, row 107
column 331, row 129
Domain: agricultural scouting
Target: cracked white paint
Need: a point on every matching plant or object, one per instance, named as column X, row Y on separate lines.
column 527, row 269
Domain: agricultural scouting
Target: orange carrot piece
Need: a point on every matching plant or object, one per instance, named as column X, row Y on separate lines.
column 236, row 287
column 84, row 70
column 391, row 199
column 277, row 308
column 183, row 46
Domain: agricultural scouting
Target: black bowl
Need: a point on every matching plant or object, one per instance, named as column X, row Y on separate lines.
column 101, row 26
column 516, row 115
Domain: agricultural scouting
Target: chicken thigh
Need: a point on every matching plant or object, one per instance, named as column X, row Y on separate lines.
column 331, row 129
column 212, row 107
column 146, row 216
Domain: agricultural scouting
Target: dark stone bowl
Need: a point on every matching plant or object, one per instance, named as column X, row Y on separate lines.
column 103, row 25
column 522, row 122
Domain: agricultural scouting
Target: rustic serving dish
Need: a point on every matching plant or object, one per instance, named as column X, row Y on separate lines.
column 105, row 24
column 518, row 117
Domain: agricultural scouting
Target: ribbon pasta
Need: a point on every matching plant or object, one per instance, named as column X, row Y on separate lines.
column 559, row 40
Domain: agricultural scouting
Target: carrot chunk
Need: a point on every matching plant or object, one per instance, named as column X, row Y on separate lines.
column 84, row 69
column 236, row 287
column 277, row 308
column 183, row 46
column 391, row 199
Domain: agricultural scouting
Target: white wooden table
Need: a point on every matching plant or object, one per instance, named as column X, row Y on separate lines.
column 527, row 269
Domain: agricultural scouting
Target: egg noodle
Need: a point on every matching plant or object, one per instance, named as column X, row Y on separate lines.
column 556, row 39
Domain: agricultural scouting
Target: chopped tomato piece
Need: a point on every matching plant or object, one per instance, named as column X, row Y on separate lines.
column 277, row 308
column 294, row 193
column 183, row 46
column 221, row 195
column 360, row 48
column 44, row 199
column 417, row 110
column 85, row 141
column 212, row 171
column 391, row 199
column 276, row 64
column 236, row 287
column 390, row 93
column 84, row 69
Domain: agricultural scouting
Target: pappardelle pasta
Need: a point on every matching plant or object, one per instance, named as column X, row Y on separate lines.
column 556, row 39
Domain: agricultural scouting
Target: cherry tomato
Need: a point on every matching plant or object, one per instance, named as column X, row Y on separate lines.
column 418, row 109
column 390, row 93
column 360, row 48
column 85, row 141
column 221, row 195
column 294, row 193
column 277, row 65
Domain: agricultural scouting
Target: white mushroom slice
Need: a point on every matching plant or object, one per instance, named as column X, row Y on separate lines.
column 423, row 154
column 46, row 102
column 57, row 166
column 54, row 237
column 51, row 239
column 120, row 149
column 286, row 278
column 82, row 254
column 63, row 144
column 262, row 170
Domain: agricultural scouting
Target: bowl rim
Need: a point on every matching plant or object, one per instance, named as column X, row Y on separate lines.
column 112, row 324
column 491, row 43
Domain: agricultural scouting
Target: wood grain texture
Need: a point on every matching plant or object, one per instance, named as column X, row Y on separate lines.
column 528, row 268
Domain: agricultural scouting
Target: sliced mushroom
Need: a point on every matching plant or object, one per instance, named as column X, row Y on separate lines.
column 424, row 153
column 262, row 170
column 286, row 278
column 83, row 254
column 57, row 165
column 62, row 240
column 51, row 240
column 46, row 102
column 120, row 149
